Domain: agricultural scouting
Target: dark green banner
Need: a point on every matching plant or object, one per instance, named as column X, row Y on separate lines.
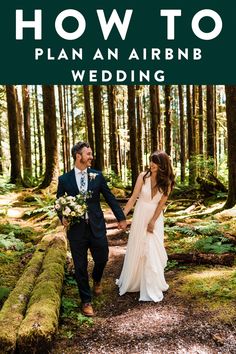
column 118, row 42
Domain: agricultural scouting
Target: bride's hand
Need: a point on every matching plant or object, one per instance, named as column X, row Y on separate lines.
column 150, row 227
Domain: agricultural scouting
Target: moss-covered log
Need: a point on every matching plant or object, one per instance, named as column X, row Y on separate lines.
column 226, row 259
column 41, row 320
column 14, row 308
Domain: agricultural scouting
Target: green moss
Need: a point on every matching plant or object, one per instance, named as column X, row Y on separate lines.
column 14, row 307
column 211, row 288
column 41, row 320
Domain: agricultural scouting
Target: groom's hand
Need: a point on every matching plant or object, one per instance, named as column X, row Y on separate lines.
column 122, row 225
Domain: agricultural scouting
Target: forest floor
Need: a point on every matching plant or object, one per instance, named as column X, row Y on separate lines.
column 197, row 315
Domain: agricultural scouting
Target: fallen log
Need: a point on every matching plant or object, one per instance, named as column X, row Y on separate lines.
column 231, row 238
column 226, row 259
column 40, row 324
column 210, row 184
column 13, row 310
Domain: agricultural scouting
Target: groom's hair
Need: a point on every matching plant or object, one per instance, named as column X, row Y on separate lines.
column 77, row 148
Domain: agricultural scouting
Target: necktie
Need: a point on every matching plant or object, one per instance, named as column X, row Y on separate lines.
column 82, row 182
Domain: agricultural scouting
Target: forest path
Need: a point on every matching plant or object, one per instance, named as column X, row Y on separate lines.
column 125, row 325
column 178, row 324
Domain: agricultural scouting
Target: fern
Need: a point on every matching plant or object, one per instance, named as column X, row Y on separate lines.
column 214, row 244
column 208, row 230
column 10, row 242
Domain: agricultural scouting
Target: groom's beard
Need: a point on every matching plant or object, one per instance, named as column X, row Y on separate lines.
column 86, row 162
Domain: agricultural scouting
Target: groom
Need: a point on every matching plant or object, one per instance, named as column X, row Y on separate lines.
column 90, row 232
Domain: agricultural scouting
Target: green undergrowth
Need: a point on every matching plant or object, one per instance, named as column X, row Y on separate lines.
column 211, row 288
column 71, row 318
column 205, row 237
column 25, row 234
column 17, row 245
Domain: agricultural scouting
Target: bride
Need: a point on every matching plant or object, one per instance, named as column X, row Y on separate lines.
column 146, row 258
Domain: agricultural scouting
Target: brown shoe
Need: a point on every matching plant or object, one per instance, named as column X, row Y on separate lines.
column 87, row 310
column 97, row 288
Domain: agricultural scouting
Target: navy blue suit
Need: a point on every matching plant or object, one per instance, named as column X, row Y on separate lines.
column 92, row 234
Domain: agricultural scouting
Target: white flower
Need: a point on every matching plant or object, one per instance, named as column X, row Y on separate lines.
column 78, row 209
column 73, row 214
column 67, row 211
column 92, row 175
column 57, row 206
column 63, row 201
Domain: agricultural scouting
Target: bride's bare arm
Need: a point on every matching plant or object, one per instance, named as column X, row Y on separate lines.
column 135, row 194
column 158, row 211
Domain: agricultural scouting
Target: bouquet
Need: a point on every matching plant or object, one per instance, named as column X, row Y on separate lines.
column 72, row 208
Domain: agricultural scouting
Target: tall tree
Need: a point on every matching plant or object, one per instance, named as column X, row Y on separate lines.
column 111, row 91
column 50, row 136
column 20, row 127
column 200, row 104
column 88, row 115
column 154, row 117
column 97, row 103
column 139, row 110
column 231, row 127
column 63, row 128
column 191, row 150
column 27, row 133
column 39, row 133
column 72, row 114
column 211, row 153
column 159, row 128
column 13, row 135
column 182, row 134
column 167, row 113
column 132, row 134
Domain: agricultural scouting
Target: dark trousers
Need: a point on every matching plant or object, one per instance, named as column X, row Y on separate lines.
column 79, row 250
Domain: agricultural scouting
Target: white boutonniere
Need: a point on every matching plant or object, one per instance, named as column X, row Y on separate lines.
column 92, row 175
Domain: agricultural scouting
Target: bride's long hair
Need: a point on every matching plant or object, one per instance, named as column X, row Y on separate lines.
column 165, row 176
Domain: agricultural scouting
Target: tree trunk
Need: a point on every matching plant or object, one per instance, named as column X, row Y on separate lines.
column 62, row 125
column 200, row 103
column 27, row 133
column 182, row 134
column 50, row 136
column 191, row 151
column 167, row 113
column 72, row 115
column 35, row 163
column 20, row 128
column 132, row 134
column 88, row 115
column 112, row 128
column 154, row 117
column 99, row 157
column 39, row 134
column 211, row 124
column 231, row 126
column 159, row 128
column 139, row 127
column 67, row 123
column 13, row 135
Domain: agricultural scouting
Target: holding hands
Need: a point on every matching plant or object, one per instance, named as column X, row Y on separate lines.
column 122, row 225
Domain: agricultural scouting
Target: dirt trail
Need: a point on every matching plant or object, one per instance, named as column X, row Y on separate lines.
column 125, row 325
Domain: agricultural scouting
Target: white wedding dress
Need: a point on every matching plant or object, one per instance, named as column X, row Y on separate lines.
column 145, row 258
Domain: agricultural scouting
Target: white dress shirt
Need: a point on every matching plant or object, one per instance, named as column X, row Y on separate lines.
column 78, row 177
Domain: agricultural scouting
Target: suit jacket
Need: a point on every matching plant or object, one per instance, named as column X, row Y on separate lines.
column 67, row 184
